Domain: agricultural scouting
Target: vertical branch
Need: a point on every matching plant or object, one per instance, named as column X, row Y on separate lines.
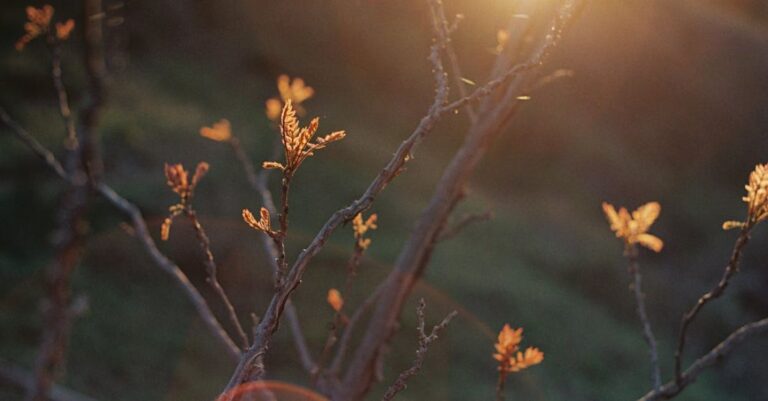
column 259, row 183
column 71, row 220
column 634, row 272
column 421, row 352
column 136, row 219
column 500, row 382
column 417, row 251
column 212, row 269
column 730, row 270
column 71, row 142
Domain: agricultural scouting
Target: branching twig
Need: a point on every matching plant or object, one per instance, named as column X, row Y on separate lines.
column 441, row 22
column 730, row 270
column 466, row 221
column 210, row 263
column 259, row 183
column 421, row 353
column 674, row 387
column 142, row 233
column 650, row 339
column 417, row 251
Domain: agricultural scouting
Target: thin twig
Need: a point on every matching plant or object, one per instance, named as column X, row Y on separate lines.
column 730, row 270
column 142, row 233
column 212, row 269
column 424, row 341
column 438, row 14
column 675, row 386
column 417, row 251
column 259, row 183
column 346, row 336
column 650, row 339
column 63, row 98
column 466, row 221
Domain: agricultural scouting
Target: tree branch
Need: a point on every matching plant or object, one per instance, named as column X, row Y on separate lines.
column 259, row 183
column 212, row 269
column 634, row 272
column 421, row 352
column 466, row 221
column 674, row 387
column 142, row 233
column 730, row 270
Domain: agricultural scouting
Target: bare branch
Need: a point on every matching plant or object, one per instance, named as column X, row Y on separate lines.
column 63, row 99
column 441, row 24
column 417, row 251
column 47, row 156
column 730, row 270
column 346, row 336
column 259, row 183
column 464, row 222
column 424, row 341
column 22, row 378
column 213, row 280
column 142, row 233
column 634, row 271
column 674, row 387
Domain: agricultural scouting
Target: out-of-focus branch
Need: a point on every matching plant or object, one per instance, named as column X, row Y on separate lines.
column 650, row 339
column 424, row 341
column 70, row 216
column 139, row 225
column 417, row 251
column 346, row 336
column 730, row 270
column 38, row 148
column 22, row 378
column 674, row 387
column 57, row 74
column 465, row 221
column 213, row 280
column 438, row 15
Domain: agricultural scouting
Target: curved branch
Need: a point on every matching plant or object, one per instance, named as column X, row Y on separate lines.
column 674, row 387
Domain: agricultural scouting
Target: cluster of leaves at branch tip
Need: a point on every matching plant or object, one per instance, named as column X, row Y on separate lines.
column 297, row 141
column 294, row 90
column 756, row 199
column 360, row 227
column 39, row 24
column 633, row 228
column 335, row 300
column 177, row 178
column 508, row 353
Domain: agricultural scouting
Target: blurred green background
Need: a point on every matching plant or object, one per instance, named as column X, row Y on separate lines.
column 668, row 101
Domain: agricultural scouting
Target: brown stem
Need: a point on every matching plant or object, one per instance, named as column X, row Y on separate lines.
column 730, row 270
column 421, row 352
column 500, row 385
column 650, row 339
column 259, row 183
column 720, row 351
column 136, row 219
column 212, row 269
column 418, row 249
column 63, row 99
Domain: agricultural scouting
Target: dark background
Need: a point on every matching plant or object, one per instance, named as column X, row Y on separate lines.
column 668, row 102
